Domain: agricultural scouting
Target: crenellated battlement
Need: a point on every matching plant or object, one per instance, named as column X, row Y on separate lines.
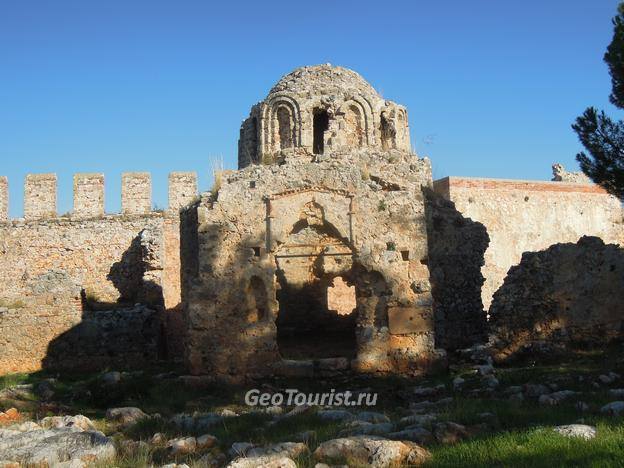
column 4, row 198
column 40, row 194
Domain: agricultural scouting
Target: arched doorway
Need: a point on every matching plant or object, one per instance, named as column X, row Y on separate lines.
column 315, row 290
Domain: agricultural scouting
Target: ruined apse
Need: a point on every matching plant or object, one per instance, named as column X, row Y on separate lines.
column 312, row 258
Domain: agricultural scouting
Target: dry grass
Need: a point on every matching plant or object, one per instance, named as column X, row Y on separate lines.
column 216, row 165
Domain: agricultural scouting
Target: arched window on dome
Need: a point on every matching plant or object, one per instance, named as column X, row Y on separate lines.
column 353, row 128
column 320, row 125
column 285, row 128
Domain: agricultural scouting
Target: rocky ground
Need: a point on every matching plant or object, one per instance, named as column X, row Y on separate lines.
column 546, row 414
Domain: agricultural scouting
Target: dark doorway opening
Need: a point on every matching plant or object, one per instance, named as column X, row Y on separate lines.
column 307, row 328
column 320, row 125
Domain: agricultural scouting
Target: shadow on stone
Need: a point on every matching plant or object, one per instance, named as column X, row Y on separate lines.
column 567, row 297
column 456, row 254
column 124, row 334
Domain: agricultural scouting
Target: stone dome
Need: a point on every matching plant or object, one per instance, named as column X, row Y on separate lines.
column 323, row 80
column 320, row 110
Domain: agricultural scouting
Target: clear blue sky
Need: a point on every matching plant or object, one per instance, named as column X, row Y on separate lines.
column 491, row 86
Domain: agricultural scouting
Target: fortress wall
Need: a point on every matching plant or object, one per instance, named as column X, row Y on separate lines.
column 524, row 216
column 136, row 193
column 111, row 262
column 4, row 199
column 30, row 323
column 88, row 195
column 40, row 196
column 99, row 254
column 182, row 189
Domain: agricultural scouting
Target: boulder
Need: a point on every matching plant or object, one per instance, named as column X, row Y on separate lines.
column 111, row 378
column 50, row 447
column 206, row 441
column 366, row 428
column 196, row 422
column 239, row 449
column 535, row 390
column 429, row 391
column 418, row 419
column 212, row 460
column 372, row 417
column 420, row 435
column 268, row 461
column 556, row 397
column 45, row 389
column 608, row 378
column 79, row 421
column 182, row 445
column 283, row 449
column 335, row 415
column 158, row 439
column 577, row 430
column 614, row 408
column 372, row 451
column 126, row 415
column 17, row 392
column 449, row 432
column 458, row 383
column 10, row 416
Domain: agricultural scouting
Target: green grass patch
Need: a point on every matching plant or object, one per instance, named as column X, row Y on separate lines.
column 537, row 447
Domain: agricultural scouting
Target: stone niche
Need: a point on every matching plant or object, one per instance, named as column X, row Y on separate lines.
column 316, row 248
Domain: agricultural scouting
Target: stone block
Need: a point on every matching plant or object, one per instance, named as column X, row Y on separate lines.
column 411, row 319
column 88, row 196
column 40, row 196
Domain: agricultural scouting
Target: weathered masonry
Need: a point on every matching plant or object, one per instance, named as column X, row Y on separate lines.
column 526, row 216
column 329, row 250
column 326, row 208
column 67, row 280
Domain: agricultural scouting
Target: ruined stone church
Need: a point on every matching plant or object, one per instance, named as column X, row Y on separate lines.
column 330, row 249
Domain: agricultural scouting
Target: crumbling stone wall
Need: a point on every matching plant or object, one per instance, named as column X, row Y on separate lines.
column 51, row 328
column 567, row 295
column 100, row 266
column 366, row 206
column 103, row 255
column 561, row 175
column 182, row 189
column 121, row 338
column 456, row 254
column 525, row 216
column 50, row 305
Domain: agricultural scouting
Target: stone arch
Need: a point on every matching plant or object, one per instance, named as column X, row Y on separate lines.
column 285, row 136
column 335, row 206
column 354, row 133
column 282, row 121
column 312, row 255
column 358, row 111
